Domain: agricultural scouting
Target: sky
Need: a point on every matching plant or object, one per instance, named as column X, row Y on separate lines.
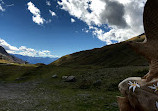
column 54, row 28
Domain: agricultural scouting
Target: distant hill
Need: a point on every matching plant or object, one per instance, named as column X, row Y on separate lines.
column 4, row 56
column 35, row 60
column 114, row 55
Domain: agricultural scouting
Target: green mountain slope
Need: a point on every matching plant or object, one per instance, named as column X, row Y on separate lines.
column 114, row 55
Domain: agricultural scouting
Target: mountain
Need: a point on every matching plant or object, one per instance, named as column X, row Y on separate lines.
column 4, row 56
column 114, row 55
column 90, row 69
column 35, row 60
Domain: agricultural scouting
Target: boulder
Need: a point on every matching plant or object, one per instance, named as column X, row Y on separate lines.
column 64, row 77
column 69, row 78
column 54, row 76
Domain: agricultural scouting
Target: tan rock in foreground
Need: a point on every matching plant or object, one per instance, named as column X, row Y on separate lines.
column 141, row 99
column 149, row 48
column 142, row 94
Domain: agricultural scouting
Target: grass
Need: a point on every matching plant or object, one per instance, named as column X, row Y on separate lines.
column 55, row 94
column 35, row 89
column 67, row 99
column 89, row 73
column 11, row 71
column 4, row 61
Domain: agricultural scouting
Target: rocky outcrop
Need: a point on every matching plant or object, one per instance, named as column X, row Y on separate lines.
column 5, row 56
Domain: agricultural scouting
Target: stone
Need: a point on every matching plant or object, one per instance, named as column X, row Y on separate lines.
column 124, row 104
column 141, row 98
column 69, row 78
column 64, row 77
column 54, row 76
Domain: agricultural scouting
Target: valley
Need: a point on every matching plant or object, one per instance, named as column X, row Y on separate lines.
column 97, row 72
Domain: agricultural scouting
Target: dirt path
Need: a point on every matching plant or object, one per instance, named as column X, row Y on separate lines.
column 18, row 97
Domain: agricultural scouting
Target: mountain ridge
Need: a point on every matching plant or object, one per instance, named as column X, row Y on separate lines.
column 115, row 55
column 35, row 60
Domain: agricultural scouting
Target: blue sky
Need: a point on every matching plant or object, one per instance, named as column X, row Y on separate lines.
column 60, row 27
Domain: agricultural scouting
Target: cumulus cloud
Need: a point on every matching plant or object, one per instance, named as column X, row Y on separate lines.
column 52, row 13
column 73, row 20
column 121, row 19
column 113, row 14
column 7, row 46
column 23, row 50
column 36, row 14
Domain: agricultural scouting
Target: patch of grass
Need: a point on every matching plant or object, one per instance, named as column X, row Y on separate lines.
column 70, row 99
column 98, row 73
column 55, row 94
column 86, row 77
column 11, row 72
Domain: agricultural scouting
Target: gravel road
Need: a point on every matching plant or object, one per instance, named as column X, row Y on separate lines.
column 19, row 97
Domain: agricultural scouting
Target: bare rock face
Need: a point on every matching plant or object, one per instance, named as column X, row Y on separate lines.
column 5, row 56
column 141, row 94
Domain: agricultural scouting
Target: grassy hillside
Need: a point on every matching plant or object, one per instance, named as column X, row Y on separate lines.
column 10, row 72
column 83, row 95
column 114, row 55
column 98, row 73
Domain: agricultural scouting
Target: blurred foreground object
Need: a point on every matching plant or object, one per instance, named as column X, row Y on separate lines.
column 142, row 94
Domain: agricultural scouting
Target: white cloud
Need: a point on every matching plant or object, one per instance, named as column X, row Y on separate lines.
column 73, row 20
column 36, row 14
column 48, row 3
column 123, row 17
column 52, row 13
column 7, row 46
column 1, row 6
column 23, row 50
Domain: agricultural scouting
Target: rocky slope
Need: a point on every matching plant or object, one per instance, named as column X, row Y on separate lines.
column 10, row 58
